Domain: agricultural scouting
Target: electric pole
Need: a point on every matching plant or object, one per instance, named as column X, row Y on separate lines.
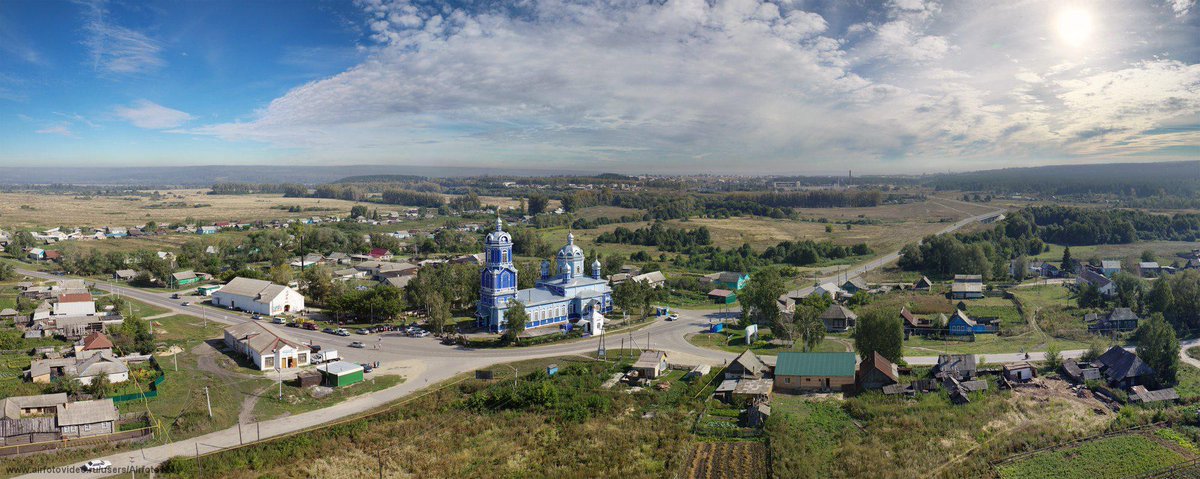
column 208, row 402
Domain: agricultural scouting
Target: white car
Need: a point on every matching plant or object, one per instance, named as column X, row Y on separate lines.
column 97, row 465
column 421, row 333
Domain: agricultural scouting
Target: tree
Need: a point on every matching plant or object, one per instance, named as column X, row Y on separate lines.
column 1148, row 256
column 100, row 387
column 1089, row 296
column 1159, row 299
column 1094, row 350
column 439, row 313
column 515, row 318
column 538, row 203
column 281, row 274
column 318, row 283
column 810, row 330
column 1128, row 288
column 613, row 263
column 358, row 210
column 1159, row 348
column 7, row 272
column 1067, row 265
column 1053, row 358
column 910, row 257
column 879, row 332
column 760, row 296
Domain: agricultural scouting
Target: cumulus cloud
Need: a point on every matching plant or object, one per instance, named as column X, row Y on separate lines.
column 1181, row 7
column 117, row 49
column 641, row 84
column 150, row 115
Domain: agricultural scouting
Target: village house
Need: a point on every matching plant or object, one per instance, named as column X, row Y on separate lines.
column 398, row 282
column 86, row 418
column 876, row 373
column 264, row 348
column 854, row 285
column 838, row 318
column 959, row 366
column 960, row 324
column 967, row 286
column 654, row 278
column 94, row 343
column 1044, row 269
column 258, row 296
column 29, row 419
column 651, row 364
column 747, row 366
column 722, row 296
column 1124, row 369
column 184, row 278
column 1081, row 372
column 380, row 254
column 85, row 369
column 1117, row 320
column 923, row 284
column 1110, row 267
column 1020, row 371
column 1149, row 269
column 74, row 304
column 124, row 274
column 750, row 391
column 731, row 281
column 798, row 372
column 1102, row 283
column 914, row 325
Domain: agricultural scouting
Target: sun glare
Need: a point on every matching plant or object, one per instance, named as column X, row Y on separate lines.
column 1074, row 26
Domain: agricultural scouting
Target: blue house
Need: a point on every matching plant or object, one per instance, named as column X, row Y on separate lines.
column 562, row 300
column 962, row 325
column 732, row 281
column 207, row 230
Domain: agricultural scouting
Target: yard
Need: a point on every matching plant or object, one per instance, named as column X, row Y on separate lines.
column 733, row 339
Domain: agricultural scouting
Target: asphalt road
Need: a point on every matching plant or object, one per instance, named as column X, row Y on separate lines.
column 424, row 361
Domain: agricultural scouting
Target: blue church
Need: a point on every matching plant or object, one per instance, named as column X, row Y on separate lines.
column 563, row 300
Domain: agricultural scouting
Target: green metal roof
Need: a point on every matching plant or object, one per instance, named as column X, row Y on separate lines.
column 815, row 364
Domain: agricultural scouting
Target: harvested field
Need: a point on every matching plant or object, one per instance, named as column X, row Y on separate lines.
column 728, row 460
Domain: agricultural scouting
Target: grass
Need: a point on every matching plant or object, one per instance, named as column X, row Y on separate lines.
column 734, row 340
column 296, row 400
column 1188, row 378
column 1194, row 352
column 1164, row 250
column 1111, row 457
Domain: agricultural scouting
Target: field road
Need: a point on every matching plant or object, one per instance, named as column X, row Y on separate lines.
column 440, row 362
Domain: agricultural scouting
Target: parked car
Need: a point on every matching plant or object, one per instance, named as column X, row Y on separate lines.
column 358, row 344
column 175, row 296
column 363, row 331
column 293, row 324
column 421, row 333
column 316, row 348
column 329, row 330
column 367, row 368
column 310, row 326
column 672, row 316
column 96, row 465
column 256, row 316
column 342, row 332
column 186, row 303
column 279, row 321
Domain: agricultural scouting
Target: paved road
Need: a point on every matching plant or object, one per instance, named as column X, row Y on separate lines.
column 430, row 362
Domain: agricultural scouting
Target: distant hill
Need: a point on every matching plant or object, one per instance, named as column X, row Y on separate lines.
column 382, row 179
column 1181, row 178
column 204, row 176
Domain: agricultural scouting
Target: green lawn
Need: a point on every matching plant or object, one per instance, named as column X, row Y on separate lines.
column 734, row 340
column 987, row 344
column 1111, row 457
column 296, row 400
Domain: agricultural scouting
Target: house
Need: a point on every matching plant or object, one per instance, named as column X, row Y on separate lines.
column 913, row 324
column 1119, row 319
column 476, row 259
column 828, row 289
column 208, row 290
column 36, row 254
column 380, row 254
column 167, row 256
column 747, row 366
column 722, row 296
column 398, row 282
column 28, row 419
column 338, row 258
column 340, row 373
column 93, row 343
column 876, row 373
column 651, row 364
column 258, row 296
column 960, row 324
column 74, row 304
column 967, row 286
column 731, row 281
column 1101, row 282
column 854, row 285
column 348, row 274
column 838, row 318
column 1020, row 371
column 1081, row 373
column 264, row 348
column 923, row 284
column 1110, row 267
column 1044, row 269
column 207, row 230
column 1123, row 369
column 960, row 366
column 618, row 278
column 9, row 314
column 55, row 256
column 183, row 278
column 655, row 279
column 1149, row 269
column 86, row 368
column 795, row 372
column 86, row 418
column 124, row 274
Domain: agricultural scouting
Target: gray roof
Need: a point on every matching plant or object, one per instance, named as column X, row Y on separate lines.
column 729, row 277
column 650, row 359
column 750, row 362
column 1110, row 264
column 102, row 362
column 339, row 368
column 9, row 312
column 1096, row 279
column 87, row 412
column 11, row 407
column 1120, row 364
column 258, row 289
column 956, row 363
column 182, row 275
column 259, row 338
column 653, row 277
column 838, row 311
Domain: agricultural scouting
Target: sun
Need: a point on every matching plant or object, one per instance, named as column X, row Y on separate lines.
column 1074, row 26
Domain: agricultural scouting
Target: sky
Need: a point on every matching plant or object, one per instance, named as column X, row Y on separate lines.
column 671, row 86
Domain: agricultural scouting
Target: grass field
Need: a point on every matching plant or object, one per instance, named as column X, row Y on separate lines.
column 296, row 400
column 1164, row 250
column 1112, row 457
column 733, row 340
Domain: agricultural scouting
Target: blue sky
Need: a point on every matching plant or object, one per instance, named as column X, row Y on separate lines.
column 788, row 86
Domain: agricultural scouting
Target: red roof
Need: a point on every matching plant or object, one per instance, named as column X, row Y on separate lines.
column 75, row 298
column 379, row 252
column 53, row 255
column 96, row 340
column 881, row 364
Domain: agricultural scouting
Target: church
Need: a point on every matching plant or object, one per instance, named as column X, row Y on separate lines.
column 567, row 300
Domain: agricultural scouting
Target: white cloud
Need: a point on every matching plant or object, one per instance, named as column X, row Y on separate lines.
column 117, row 49
column 1181, row 7
column 62, row 129
column 709, row 85
column 150, row 115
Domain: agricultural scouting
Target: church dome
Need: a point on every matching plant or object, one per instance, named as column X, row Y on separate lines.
column 499, row 236
column 570, row 251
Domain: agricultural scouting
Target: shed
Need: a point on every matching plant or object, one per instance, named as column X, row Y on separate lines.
column 960, row 366
column 698, row 372
column 923, row 284
column 752, row 390
column 1020, row 371
column 341, row 373
column 877, row 372
column 308, row 379
column 746, row 365
column 1142, row 395
column 722, row 296
column 651, row 364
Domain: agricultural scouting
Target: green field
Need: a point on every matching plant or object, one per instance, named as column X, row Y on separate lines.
column 734, row 340
column 1164, row 250
column 1112, row 457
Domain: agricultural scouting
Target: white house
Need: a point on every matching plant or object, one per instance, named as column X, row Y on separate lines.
column 264, row 348
column 75, row 304
column 258, row 296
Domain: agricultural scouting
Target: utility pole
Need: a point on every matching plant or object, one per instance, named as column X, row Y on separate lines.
column 208, row 401
column 175, row 357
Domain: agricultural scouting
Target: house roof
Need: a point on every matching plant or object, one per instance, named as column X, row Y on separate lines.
column 857, row 282
column 340, row 368
column 11, row 407
column 720, row 293
column 923, row 283
column 1121, row 314
column 1081, row 373
column 376, row 252
column 1096, row 279
column 96, row 340
column 1141, row 394
column 125, row 272
column 881, row 364
column 908, row 317
column 653, row 277
column 75, row 298
column 100, row 363
column 398, row 282
column 969, row 278
column 1148, row 265
column 1120, row 364
column 730, row 277
column 1017, row 366
column 1110, row 264
column 650, row 359
column 958, row 313
column 86, row 412
column 750, row 362
column 258, row 289
column 184, row 275
column 956, row 363
column 754, row 387
column 8, row 312
column 259, row 338
column 966, row 287
column 815, row 364
column 837, row 311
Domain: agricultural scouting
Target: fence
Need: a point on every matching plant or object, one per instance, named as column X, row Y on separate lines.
column 152, row 393
column 1188, row 469
column 17, row 449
